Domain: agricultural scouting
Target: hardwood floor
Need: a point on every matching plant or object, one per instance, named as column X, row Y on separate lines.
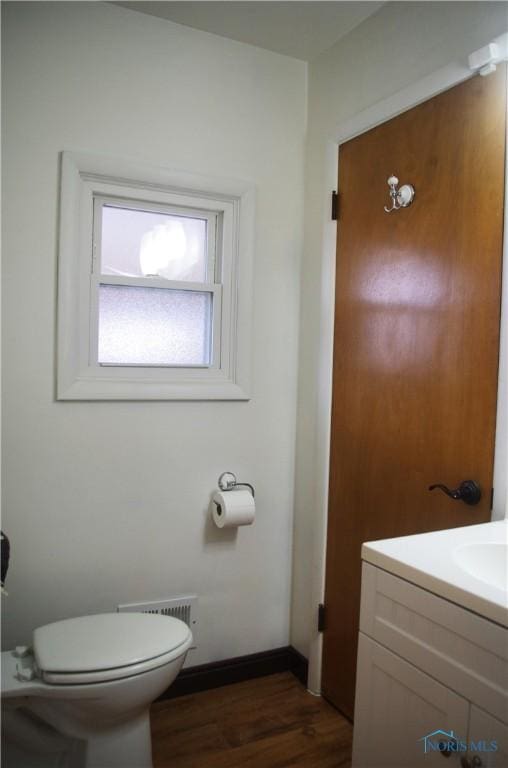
column 271, row 722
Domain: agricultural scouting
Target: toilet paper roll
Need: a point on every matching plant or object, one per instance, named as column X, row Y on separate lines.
column 233, row 508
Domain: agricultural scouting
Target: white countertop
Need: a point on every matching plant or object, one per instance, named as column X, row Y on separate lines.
column 465, row 565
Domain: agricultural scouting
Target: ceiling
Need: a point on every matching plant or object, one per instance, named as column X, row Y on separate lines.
column 299, row 29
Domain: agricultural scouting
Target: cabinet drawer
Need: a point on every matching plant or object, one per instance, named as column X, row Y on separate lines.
column 463, row 651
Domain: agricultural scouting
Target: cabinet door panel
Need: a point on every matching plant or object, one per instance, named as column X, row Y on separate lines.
column 484, row 729
column 396, row 706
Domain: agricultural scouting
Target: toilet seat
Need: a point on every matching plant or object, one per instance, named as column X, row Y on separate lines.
column 109, row 675
column 106, row 647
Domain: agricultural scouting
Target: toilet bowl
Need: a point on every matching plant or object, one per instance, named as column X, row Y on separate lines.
column 91, row 681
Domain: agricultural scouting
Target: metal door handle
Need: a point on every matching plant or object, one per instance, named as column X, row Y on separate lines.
column 475, row 762
column 468, row 491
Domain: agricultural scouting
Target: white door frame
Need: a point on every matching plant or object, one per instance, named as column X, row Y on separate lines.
column 405, row 99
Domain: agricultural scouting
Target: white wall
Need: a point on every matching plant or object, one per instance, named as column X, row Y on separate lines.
column 392, row 49
column 106, row 502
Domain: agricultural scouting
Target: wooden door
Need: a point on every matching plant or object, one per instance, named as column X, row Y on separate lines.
column 416, row 339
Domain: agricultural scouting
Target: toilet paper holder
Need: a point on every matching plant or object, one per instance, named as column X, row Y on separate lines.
column 227, row 481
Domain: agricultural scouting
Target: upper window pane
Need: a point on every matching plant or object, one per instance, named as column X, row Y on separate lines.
column 139, row 243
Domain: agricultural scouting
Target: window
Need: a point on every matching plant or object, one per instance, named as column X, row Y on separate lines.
column 155, row 291
column 154, row 283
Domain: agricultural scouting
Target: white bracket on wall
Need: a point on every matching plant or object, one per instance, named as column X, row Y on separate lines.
column 484, row 60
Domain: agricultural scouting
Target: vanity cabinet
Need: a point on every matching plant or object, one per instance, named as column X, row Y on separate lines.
column 491, row 729
column 426, row 665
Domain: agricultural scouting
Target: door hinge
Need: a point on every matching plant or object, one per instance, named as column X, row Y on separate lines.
column 321, row 618
column 492, row 498
column 335, row 206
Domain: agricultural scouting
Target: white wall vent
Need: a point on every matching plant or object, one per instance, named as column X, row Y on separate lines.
column 183, row 608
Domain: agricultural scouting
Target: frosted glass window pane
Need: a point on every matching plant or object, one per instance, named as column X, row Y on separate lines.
column 153, row 326
column 142, row 243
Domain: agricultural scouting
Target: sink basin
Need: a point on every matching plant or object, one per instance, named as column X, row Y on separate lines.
column 467, row 566
column 486, row 561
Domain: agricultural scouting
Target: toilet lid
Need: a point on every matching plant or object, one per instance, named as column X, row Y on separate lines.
column 106, row 641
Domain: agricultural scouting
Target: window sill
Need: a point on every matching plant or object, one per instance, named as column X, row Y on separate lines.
column 93, row 388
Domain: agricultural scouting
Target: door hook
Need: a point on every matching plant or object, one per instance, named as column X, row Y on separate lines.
column 401, row 197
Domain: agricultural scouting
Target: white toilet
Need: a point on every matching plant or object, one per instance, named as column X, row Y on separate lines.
column 91, row 681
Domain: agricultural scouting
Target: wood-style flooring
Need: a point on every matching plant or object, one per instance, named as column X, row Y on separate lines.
column 271, row 722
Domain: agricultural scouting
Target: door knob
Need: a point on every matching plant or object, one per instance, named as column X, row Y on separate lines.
column 468, row 491
column 475, row 762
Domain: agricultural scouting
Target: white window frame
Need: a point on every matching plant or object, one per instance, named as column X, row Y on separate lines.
column 87, row 181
